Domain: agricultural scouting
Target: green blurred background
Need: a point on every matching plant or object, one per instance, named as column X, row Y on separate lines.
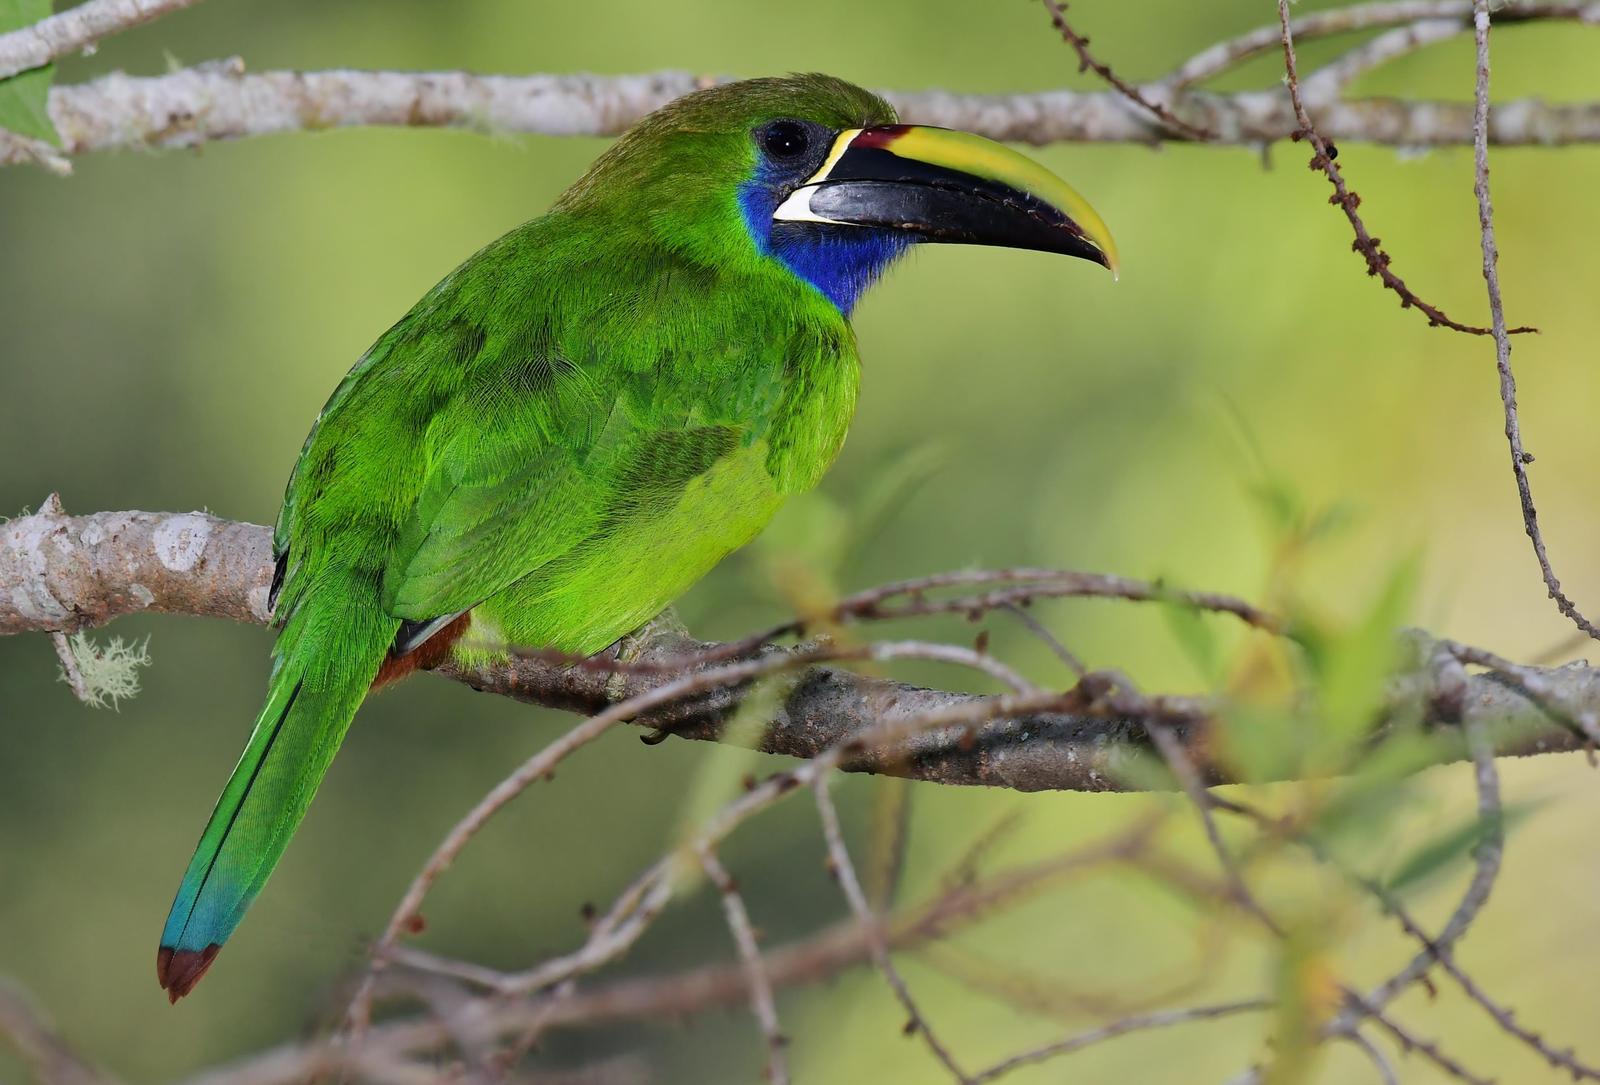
column 173, row 322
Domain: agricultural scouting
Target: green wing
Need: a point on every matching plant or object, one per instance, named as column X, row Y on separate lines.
column 498, row 504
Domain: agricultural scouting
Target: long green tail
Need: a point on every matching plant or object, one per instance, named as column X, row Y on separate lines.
column 310, row 704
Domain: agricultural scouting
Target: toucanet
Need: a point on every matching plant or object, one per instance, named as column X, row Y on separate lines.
column 582, row 419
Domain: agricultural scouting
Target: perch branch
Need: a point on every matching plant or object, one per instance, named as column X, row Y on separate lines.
column 62, row 573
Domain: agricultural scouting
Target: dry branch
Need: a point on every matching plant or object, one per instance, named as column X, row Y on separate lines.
column 221, row 101
column 76, row 30
column 64, row 573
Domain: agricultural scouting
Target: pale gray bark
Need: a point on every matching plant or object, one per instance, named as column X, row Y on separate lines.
column 64, row 573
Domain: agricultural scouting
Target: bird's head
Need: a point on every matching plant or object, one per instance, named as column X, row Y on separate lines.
column 817, row 174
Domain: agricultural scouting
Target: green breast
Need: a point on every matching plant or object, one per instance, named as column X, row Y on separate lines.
column 612, row 585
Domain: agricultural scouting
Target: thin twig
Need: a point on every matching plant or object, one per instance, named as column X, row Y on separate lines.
column 76, row 30
column 1088, row 62
column 1410, row 1041
column 70, row 669
column 1177, row 759
column 1346, row 200
column 1379, row 1060
column 1391, row 905
column 744, row 937
column 1488, row 853
column 1332, row 79
column 1132, row 1023
column 1502, row 341
column 1216, row 59
column 1051, row 641
column 1537, row 683
column 38, row 1045
column 694, row 990
column 872, row 926
column 537, row 767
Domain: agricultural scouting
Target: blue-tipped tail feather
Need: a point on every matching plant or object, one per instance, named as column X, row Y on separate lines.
column 295, row 738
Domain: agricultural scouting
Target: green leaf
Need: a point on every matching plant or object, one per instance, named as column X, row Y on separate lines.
column 1198, row 640
column 25, row 98
column 1350, row 666
column 1445, row 851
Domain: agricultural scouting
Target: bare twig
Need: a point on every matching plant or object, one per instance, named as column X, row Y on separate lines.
column 1410, row 1041
column 744, row 937
column 1122, row 1027
column 1224, row 56
column 695, row 990
column 1503, row 1016
column 38, row 1045
column 1177, row 759
column 1380, row 1062
column 1488, row 853
column 69, row 668
column 872, row 926
column 1088, row 62
column 1051, row 641
column 1502, row 341
column 1347, row 201
column 1332, row 79
column 539, row 766
column 76, row 30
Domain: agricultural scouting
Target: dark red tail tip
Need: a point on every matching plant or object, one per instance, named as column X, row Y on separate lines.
column 180, row 969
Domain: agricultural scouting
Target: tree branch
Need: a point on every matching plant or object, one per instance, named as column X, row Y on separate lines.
column 221, row 101
column 62, row 573
column 77, row 29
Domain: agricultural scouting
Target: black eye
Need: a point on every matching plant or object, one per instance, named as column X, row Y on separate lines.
column 784, row 140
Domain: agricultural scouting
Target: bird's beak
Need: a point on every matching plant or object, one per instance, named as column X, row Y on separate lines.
column 944, row 185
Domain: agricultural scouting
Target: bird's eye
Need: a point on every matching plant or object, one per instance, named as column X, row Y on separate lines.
column 785, row 140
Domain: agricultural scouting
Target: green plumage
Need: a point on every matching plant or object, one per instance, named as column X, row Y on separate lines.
column 590, row 413
column 561, row 437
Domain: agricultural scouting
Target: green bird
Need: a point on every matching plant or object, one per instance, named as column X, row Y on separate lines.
column 586, row 416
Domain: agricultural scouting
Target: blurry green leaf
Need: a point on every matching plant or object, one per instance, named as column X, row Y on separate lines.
column 1146, row 771
column 1261, row 742
column 24, row 98
column 1350, row 667
column 826, row 534
column 725, row 771
column 1197, row 638
column 812, row 527
column 888, row 831
column 1363, row 806
column 1330, row 521
column 892, row 486
column 1308, row 993
column 1280, row 503
column 1444, row 852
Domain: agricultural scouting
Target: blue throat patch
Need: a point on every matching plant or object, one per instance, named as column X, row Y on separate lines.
column 840, row 261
